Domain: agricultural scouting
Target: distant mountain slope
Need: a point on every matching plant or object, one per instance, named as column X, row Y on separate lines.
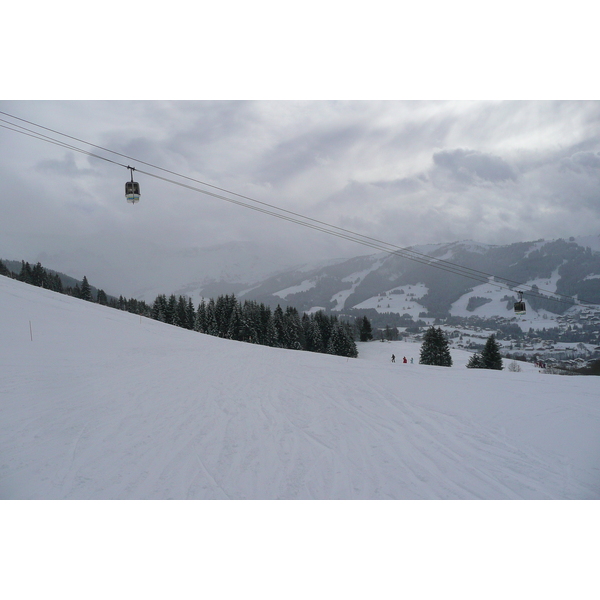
column 391, row 283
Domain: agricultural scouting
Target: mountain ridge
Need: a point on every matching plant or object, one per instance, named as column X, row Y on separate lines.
column 554, row 268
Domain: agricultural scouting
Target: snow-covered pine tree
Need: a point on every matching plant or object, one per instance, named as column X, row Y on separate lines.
column 251, row 322
column 305, row 320
column 200, row 320
column 293, row 329
column 314, row 338
column 159, row 308
column 280, row 327
column 235, row 323
column 435, row 350
column 349, row 348
column 212, row 328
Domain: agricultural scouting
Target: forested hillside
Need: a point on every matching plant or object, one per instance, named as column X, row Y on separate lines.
column 224, row 317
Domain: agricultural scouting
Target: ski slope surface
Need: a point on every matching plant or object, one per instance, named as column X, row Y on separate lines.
column 96, row 403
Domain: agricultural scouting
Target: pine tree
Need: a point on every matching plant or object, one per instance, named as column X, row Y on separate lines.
column 159, row 308
column 435, row 350
column 26, row 274
column 38, row 275
column 325, row 325
column 251, row 322
column 212, row 327
column 315, row 338
column 171, row 310
column 475, row 362
column 489, row 358
column 280, row 329
column 490, row 355
column 190, row 314
column 181, row 313
column 235, row 323
column 293, row 329
column 4, row 270
column 365, row 329
column 56, row 284
column 200, row 320
column 86, row 291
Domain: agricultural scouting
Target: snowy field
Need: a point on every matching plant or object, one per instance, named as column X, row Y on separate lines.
column 101, row 404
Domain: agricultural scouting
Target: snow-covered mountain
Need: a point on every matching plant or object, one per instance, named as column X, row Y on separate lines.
column 100, row 403
column 388, row 283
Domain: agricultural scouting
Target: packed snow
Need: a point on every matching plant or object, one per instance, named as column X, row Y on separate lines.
column 97, row 403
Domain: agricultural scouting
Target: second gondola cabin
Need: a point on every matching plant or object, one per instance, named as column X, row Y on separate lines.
column 520, row 308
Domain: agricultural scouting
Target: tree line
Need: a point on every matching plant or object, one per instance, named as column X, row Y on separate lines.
column 256, row 323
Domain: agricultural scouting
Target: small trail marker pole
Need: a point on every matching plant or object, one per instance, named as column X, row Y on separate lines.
column 30, row 331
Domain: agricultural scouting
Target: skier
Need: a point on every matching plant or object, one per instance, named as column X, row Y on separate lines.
column 404, row 360
column 393, row 358
column 412, row 360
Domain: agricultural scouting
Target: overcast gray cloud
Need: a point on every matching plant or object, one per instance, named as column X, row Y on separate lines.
column 469, row 165
column 405, row 172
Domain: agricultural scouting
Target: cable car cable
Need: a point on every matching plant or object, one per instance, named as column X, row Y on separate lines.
column 45, row 138
column 403, row 249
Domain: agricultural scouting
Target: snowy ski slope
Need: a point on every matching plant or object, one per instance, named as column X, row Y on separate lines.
column 101, row 404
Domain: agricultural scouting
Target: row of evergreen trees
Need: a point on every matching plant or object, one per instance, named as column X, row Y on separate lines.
column 35, row 275
column 435, row 350
column 224, row 317
column 256, row 323
column 39, row 276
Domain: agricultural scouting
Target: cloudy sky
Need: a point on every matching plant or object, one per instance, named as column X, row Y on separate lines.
column 403, row 171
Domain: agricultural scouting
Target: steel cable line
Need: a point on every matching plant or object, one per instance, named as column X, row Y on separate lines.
column 309, row 222
column 45, row 138
column 409, row 253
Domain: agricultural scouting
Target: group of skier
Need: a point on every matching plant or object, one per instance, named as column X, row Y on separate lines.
column 404, row 360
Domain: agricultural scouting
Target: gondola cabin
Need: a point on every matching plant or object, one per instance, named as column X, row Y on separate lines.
column 520, row 305
column 132, row 191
